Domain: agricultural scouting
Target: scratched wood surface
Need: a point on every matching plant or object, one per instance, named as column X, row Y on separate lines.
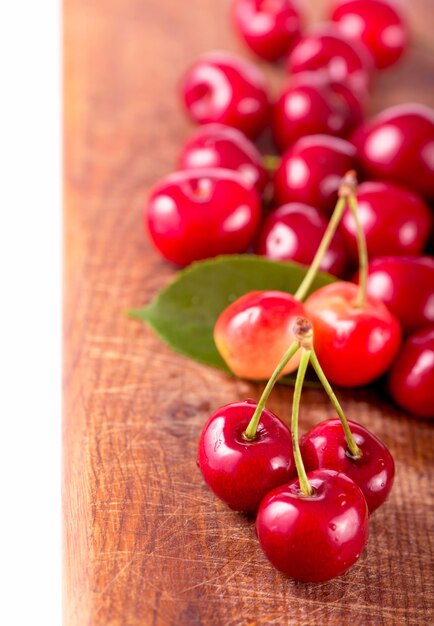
column 145, row 543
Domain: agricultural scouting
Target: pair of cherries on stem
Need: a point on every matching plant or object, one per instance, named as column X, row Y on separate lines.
column 315, row 527
column 356, row 337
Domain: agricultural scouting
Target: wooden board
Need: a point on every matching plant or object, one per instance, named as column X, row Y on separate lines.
column 145, row 542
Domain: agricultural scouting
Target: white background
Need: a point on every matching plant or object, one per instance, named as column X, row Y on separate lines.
column 30, row 305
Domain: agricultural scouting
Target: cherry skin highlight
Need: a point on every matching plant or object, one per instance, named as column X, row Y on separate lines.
column 311, row 171
column 325, row 48
column 223, row 88
column 354, row 345
column 395, row 221
column 397, row 145
column 411, row 378
column 294, row 231
column 325, row 447
column 253, row 333
column 377, row 24
column 194, row 215
column 216, row 145
column 314, row 538
column 241, row 472
column 269, row 27
column 311, row 104
column 406, row 286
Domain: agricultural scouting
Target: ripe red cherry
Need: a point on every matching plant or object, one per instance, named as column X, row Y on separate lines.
column 406, row 286
column 294, row 232
column 354, row 345
column 253, row 333
column 241, row 472
column 377, row 23
column 311, row 104
column 221, row 87
column 325, row 447
column 269, row 27
column 311, row 171
column 314, row 538
column 398, row 145
column 411, row 378
column 394, row 220
column 324, row 47
column 198, row 214
column 216, row 145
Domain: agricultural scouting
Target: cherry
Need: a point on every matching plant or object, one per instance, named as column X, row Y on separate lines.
column 193, row 215
column 253, row 333
column 311, row 171
column 241, row 471
column 269, row 27
column 394, row 220
column 325, row 447
column 355, row 344
column 294, row 232
column 377, row 23
column 314, row 538
column 406, row 286
column 221, row 87
column 312, row 104
column 398, row 145
column 216, row 145
column 324, row 47
column 411, row 378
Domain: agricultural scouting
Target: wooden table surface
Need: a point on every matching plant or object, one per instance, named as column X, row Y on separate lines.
column 146, row 543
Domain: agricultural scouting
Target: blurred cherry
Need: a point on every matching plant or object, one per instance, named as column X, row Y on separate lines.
column 224, row 88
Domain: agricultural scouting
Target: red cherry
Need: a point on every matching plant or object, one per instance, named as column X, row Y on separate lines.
column 254, row 332
column 216, row 145
column 269, row 27
column 199, row 214
column 324, row 47
column 314, row 538
column 325, row 447
column 221, row 87
column 311, row 171
column 241, row 472
column 377, row 23
column 354, row 345
column 411, row 378
column 406, row 286
column 294, row 232
column 311, row 104
column 398, row 145
column 394, row 220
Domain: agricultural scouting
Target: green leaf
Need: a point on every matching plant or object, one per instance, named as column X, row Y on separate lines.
column 185, row 312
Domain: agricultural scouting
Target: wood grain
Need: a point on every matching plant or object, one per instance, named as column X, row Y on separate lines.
column 145, row 543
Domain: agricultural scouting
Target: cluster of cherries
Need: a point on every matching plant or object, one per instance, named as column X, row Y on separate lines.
column 312, row 498
column 212, row 205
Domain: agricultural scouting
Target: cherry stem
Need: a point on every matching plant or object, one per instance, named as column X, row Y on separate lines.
column 352, row 445
column 271, row 162
column 305, row 486
column 336, row 217
column 250, row 432
column 362, row 250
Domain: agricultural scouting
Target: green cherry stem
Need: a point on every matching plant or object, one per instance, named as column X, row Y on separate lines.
column 309, row 277
column 362, row 250
column 352, row 445
column 346, row 188
column 305, row 487
column 271, row 162
column 250, row 432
